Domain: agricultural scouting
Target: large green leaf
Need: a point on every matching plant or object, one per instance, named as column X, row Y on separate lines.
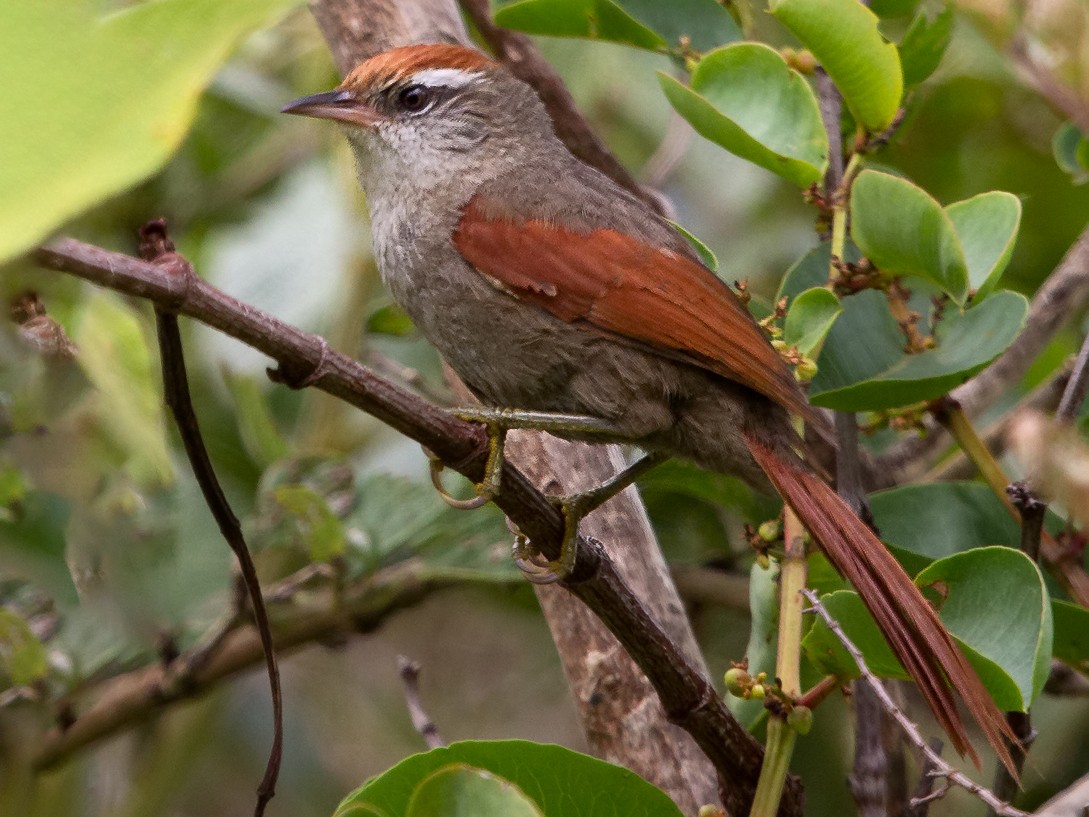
column 992, row 600
column 745, row 98
column 22, row 656
column 560, row 782
column 90, row 107
column 33, row 545
column 863, row 366
column 904, row 231
column 705, row 24
column 987, row 227
column 932, row 520
column 843, row 35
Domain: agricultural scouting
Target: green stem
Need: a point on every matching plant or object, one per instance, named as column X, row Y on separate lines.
column 781, row 737
column 769, row 788
column 840, row 198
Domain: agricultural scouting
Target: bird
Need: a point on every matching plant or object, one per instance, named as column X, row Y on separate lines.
column 550, row 289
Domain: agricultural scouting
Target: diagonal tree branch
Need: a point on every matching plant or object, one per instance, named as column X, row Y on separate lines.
column 304, row 359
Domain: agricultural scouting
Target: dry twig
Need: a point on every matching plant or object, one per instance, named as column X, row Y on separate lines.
column 911, row 731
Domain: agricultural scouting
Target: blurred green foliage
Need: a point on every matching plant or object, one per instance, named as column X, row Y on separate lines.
column 107, row 553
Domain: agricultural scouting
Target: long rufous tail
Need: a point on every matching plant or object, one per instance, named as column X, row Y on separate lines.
column 908, row 621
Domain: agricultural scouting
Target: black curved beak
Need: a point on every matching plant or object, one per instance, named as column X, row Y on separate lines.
column 338, row 105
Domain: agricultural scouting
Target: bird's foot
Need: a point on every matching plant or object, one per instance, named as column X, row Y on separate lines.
column 529, row 559
column 488, row 488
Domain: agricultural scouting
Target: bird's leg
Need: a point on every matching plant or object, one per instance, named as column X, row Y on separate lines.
column 574, row 508
column 500, row 420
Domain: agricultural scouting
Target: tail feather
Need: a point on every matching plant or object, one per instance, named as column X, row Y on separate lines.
column 908, row 621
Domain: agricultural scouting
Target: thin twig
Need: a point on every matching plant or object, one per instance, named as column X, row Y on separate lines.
column 156, row 246
column 1044, row 398
column 1076, row 387
column 922, row 797
column 911, row 731
column 409, row 673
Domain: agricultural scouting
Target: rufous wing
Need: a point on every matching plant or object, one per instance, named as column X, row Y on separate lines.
column 624, row 287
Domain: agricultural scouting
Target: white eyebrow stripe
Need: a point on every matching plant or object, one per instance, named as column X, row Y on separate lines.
column 448, row 77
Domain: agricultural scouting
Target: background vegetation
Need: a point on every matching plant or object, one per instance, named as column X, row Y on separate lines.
column 119, row 112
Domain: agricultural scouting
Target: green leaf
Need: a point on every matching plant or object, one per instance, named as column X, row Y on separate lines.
column 115, row 356
column 987, row 227
column 321, row 527
column 33, row 545
column 702, row 250
column 1071, row 633
column 810, row 318
column 931, row 520
column 262, row 439
column 904, row 231
column 824, row 649
column 390, row 320
column 21, row 653
column 992, row 600
column 558, row 780
column 643, row 23
column 459, row 790
column 843, row 36
column 746, row 99
column 924, row 45
column 893, row 8
column 1071, row 150
column 91, row 107
column 863, row 367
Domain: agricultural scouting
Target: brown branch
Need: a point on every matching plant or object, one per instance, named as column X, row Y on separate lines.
column 304, row 359
column 1063, row 99
column 1062, row 296
column 127, row 699
column 526, row 62
column 1077, row 387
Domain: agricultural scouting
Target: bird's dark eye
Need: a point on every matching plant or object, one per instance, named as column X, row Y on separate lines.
column 414, row 98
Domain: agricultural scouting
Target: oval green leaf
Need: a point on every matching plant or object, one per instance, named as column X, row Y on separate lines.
column 703, row 24
column 746, row 99
column 863, row 367
column 924, row 45
column 843, row 36
column 992, row 600
column 547, row 774
column 904, row 231
column 459, row 790
column 810, row 318
column 1071, row 150
column 987, row 227
column 120, row 94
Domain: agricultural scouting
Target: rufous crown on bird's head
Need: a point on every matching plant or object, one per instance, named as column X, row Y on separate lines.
column 415, row 63
column 402, row 81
